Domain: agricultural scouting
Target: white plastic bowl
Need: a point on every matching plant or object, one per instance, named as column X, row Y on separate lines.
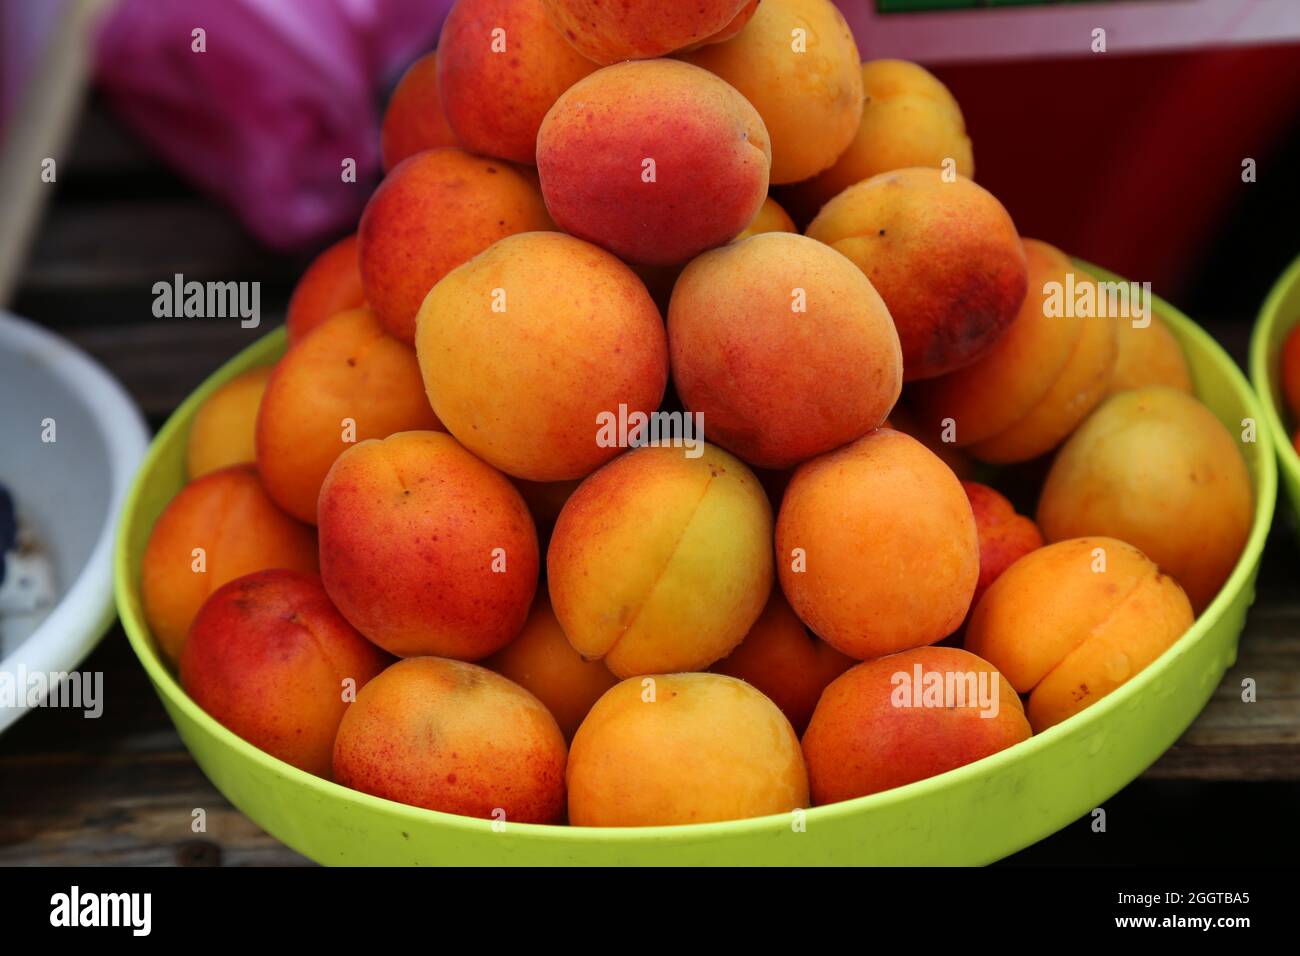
column 69, row 490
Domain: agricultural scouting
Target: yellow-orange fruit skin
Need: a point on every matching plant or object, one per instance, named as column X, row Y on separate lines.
column 868, row 734
column 785, row 661
column 1155, row 468
column 414, row 120
column 784, row 347
column 876, row 546
column 269, row 656
column 683, row 748
column 945, row 257
column 908, row 119
column 347, row 382
column 1037, row 382
column 425, row 549
column 524, row 347
column 496, row 87
column 655, row 160
column 769, row 218
column 1069, row 623
column 660, row 562
column 1148, row 355
column 543, row 662
column 455, row 737
column 433, row 211
column 641, row 29
column 809, row 93
column 217, row 528
column 331, row 284
column 224, row 428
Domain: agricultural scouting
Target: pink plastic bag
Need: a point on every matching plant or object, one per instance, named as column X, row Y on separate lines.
column 285, row 92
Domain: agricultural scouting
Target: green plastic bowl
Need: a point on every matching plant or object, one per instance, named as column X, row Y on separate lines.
column 1278, row 315
column 972, row 815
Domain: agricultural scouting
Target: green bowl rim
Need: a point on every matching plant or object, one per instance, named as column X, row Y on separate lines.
column 167, row 686
column 1270, row 313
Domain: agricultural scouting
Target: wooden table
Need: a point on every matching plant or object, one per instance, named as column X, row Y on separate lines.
column 121, row 789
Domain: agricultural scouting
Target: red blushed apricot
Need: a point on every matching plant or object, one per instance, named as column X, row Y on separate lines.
column 426, row 549
column 784, row 347
column 272, row 660
column 683, row 748
column 1155, row 468
column 525, row 347
column 435, row 210
column 543, row 662
column 654, row 160
column 218, row 528
column 1023, row 396
column 1290, row 372
column 876, row 546
column 1005, row 536
column 331, row 284
column 453, row 737
column 786, row 661
column 496, row 87
column 224, row 427
column 347, row 382
column 944, row 255
column 641, row 29
column 1070, row 622
column 906, row 717
column 796, row 62
column 414, row 120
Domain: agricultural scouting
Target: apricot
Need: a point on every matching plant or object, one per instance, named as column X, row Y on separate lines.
column 425, row 549
column 543, row 662
column 1069, row 623
column 346, row 382
column 654, row 160
column 797, row 63
column 683, row 748
column 497, row 86
column 528, row 344
column 1290, row 372
column 1148, row 355
column 769, row 218
column 1004, row 535
column 906, row 717
column 784, row 347
column 432, row 212
column 331, row 284
column 1037, row 382
column 223, row 429
column 876, row 546
column 641, row 29
column 454, row 737
column 271, row 659
column 217, row 528
column 944, row 256
column 909, row 119
column 662, row 562
column 414, row 120
column 1155, row 468
column 785, row 661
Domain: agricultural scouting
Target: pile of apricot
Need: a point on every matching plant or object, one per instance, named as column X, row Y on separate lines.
column 413, row 557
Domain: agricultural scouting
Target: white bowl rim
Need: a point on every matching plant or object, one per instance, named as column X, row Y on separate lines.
column 83, row 615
